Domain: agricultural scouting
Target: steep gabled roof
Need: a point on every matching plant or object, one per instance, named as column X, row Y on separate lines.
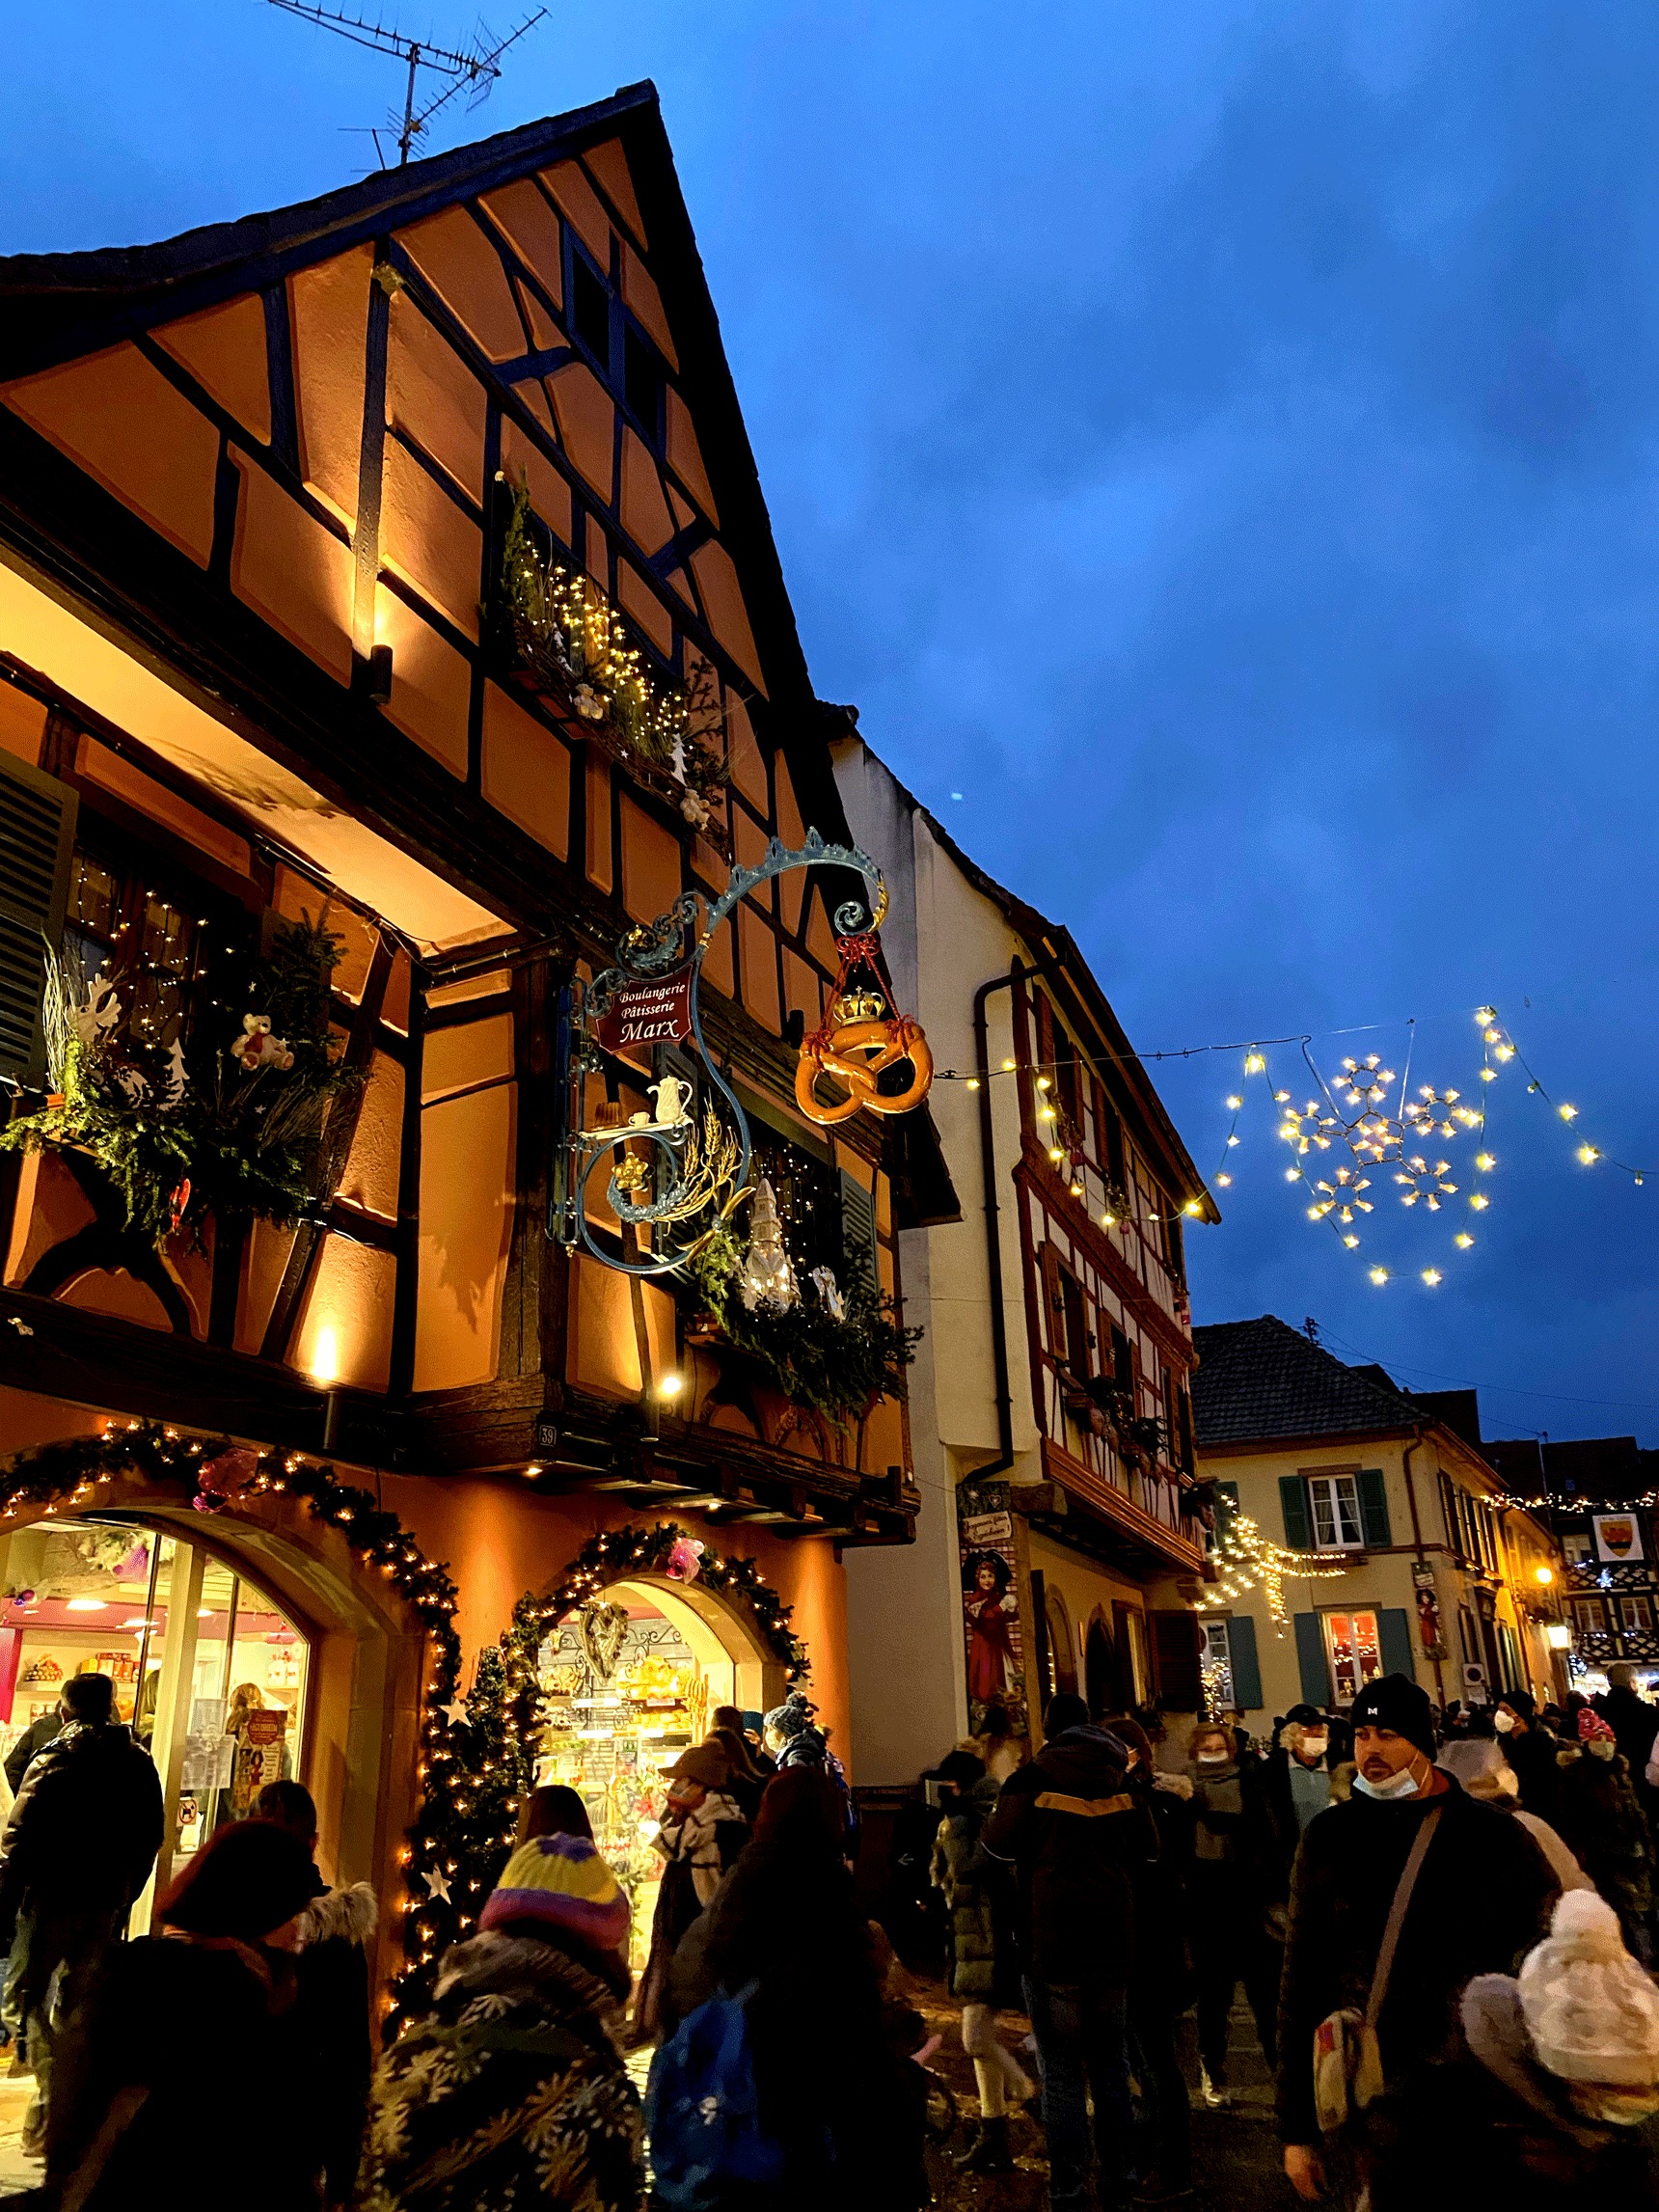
column 1261, row 1380
column 1052, row 942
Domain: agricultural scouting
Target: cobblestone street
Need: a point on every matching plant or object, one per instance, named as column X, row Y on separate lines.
column 1235, row 2152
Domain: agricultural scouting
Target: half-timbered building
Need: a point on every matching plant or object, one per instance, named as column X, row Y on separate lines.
column 1061, row 1544
column 259, row 686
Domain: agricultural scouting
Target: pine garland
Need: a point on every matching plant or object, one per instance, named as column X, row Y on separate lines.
column 834, row 1367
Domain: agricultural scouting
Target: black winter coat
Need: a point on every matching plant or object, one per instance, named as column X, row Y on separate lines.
column 212, row 2045
column 1482, row 1898
column 85, row 1827
column 1078, row 1839
column 1532, row 1760
column 1599, row 1820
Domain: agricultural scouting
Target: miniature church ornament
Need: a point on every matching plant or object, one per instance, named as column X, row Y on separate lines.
column 766, row 1277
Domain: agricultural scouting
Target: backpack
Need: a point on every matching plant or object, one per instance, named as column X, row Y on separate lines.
column 702, row 2113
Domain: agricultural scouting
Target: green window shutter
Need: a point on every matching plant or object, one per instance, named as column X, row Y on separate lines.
column 36, row 838
column 1246, row 1666
column 1374, row 1509
column 1394, row 1642
column 858, row 1234
column 1310, row 1660
column 1293, row 1505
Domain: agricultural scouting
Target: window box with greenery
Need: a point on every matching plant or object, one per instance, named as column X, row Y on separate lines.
column 818, row 1329
column 159, row 1100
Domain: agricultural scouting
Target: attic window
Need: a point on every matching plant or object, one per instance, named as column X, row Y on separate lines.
column 591, row 310
column 643, row 383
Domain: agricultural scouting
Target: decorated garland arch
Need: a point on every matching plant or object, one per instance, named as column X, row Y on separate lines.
column 507, row 1678
column 213, row 1474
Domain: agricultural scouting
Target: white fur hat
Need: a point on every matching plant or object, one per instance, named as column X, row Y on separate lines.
column 1592, row 2012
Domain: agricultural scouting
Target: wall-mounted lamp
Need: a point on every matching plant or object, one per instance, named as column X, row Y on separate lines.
column 671, row 1386
column 1545, row 1574
column 1558, row 1636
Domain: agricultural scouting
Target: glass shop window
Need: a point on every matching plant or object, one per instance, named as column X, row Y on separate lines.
column 1217, row 1662
column 1354, row 1653
column 210, row 1672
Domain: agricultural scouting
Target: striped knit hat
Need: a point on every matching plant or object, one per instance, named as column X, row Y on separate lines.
column 562, row 1882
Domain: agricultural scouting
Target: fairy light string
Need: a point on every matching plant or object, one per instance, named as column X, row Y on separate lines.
column 1246, row 1559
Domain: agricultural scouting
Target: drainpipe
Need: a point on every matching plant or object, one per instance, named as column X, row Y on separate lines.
column 1416, row 1444
column 993, row 1226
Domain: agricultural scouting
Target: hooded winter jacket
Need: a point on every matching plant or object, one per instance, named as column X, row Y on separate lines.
column 982, row 1968
column 1077, row 1837
column 1483, row 1897
column 85, row 1827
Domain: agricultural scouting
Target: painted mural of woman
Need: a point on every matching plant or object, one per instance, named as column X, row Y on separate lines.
column 987, row 1601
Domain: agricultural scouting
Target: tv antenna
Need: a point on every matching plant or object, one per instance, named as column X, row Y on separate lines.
column 473, row 71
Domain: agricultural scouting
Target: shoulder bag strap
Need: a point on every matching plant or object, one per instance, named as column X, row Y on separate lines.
column 1396, row 1914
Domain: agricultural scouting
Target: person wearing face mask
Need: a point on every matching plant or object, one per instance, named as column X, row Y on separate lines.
column 1232, row 1887
column 1480, row 1896
column 1600, row 1821
column 1299, row 1775
column 1530, row 1750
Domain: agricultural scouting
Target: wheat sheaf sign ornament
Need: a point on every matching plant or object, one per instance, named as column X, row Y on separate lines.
column 674, row 1175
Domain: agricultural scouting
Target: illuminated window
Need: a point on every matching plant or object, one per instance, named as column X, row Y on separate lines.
column 1217, row 1663
column 1355, row 1653
column 1335, row 1501
column 1635, row 1613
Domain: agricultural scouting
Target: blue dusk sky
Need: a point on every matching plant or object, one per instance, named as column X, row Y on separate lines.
column 1215, row 448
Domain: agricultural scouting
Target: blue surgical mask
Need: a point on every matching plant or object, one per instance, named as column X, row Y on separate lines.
column 1401, row 1784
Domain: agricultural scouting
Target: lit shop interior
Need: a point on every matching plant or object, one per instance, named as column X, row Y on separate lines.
column 633, row 1676
column 207, row 1673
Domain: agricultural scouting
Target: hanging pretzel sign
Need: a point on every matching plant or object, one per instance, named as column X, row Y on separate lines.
column 861, row 1039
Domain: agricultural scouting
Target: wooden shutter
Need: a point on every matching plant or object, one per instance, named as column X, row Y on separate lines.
column 1394, row 1642
column 36, row 838
column 1246, row 1664
column 1310, row 1660
column 1293, row 1505
column 1177, row 1643
column 858, row 1234
column 1374, row 1509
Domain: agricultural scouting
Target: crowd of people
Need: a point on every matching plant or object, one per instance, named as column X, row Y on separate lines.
column 1441, row 1923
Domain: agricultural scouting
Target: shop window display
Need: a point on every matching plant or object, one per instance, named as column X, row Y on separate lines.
column 628, row 1688
column 208, row 1673
column 1355, row 1653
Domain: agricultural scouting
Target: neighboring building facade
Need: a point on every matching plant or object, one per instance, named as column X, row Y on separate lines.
column 1440, row 1583
column 1060, row 1541
column 256, row 491
column 1598, row 1493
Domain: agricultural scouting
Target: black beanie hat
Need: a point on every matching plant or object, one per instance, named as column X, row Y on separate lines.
column 1395, row 1702
column 1521, row 1702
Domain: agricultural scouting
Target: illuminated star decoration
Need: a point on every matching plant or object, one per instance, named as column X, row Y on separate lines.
column 1420, row 1181
column 1365, row 1082
column 455, row 1711
column 1342, row 1197
column 1307, row 1128
column 437, row 1884
column 1243, row 1558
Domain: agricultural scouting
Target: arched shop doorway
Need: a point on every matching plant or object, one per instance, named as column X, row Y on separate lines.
column 210, row 1670
column 247, row 1634
column 630, row 1675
